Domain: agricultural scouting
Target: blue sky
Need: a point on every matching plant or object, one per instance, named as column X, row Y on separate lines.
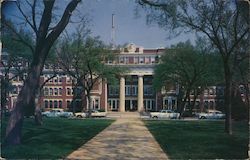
column 129, row 28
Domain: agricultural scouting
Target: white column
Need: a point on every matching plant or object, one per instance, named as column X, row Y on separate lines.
column 122, row 94
column 140, row 93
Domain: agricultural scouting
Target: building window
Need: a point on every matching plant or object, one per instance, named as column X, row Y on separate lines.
column 141, row 60
column 211, row 105
column 56, row 91
column 96, row 103
column 152, row 59
column 127, row 90
column 147, row 60
column 46, row 104
column 55, row 104
column 60, row 79
column 148, row 90
column 134, row 90
column 149, row 104
column 68, row 80
column 126, row 60
column 60, row 91
column 50, row 91
column 206, row 104
column 46, row 91
column 50, row 104
column 60, row 104
column 114, row 104
column 121, row 60
column 69, row 91
column 68, row 103
column 136, row 60
column 113, row 90
column 56, row 80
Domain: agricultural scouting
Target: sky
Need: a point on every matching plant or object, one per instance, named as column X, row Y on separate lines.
column 129, row 28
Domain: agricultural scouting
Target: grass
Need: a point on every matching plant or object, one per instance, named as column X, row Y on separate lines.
column 200, row 139
column 55, row 139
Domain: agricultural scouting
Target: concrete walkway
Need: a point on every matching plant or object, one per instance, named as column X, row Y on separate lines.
column 126, row 138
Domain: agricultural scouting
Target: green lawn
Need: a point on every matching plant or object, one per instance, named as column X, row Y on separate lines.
column 55, row 139
column 200, row 139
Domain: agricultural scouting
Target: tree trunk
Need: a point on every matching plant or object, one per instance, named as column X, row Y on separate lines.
column 44, row 41
column 24, row 101
column 38, row 112
column 228, row 101
column 38, row 116
column 89, row 104
column 84, row 101
column 4, row 96
column 184, row 102
column 194, row 100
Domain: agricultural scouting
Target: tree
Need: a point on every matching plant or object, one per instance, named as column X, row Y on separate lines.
column 83, row 58
column 224, row 23
column 45, row 36
column 14, row 60
column 186, row 65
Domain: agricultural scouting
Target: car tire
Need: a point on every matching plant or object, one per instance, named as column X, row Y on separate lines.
column 155, row 117
column 79, row 116
column 203, row 117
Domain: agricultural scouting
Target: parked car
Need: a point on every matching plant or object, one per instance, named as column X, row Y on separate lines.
column 57, row 112
column 96, row 113
column 211, row 114
column 80, row 114
column 165, row 114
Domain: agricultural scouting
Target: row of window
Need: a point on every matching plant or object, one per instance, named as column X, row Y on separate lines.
column 209, row 103
column 57, row 91
column 71, row 91
column 53, row 103
column 52, row 91
column 212, row 91
column 135, row 60
column 19, row 78
column 149, row 104
column 58, row 79
column 130, row 90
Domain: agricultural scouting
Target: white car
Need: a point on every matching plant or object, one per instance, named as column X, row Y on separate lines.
column 80, row 114
column 165, row 114
column 96, row 113
column 211, row 114
column 57, row 113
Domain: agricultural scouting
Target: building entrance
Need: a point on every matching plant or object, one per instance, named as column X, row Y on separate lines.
column 131, row 105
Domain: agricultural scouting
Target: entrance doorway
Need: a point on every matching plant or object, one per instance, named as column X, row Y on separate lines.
column 131, row 105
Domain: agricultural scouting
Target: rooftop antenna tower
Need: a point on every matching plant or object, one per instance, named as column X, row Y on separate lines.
column 113, row 31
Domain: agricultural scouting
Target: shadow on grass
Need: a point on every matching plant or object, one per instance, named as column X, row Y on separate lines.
column 200, row 139
column 56, row 138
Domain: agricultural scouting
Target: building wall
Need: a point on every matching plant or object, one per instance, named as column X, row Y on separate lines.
column 139, row 62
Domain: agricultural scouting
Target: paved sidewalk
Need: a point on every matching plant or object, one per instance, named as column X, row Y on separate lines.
column 126, row 138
